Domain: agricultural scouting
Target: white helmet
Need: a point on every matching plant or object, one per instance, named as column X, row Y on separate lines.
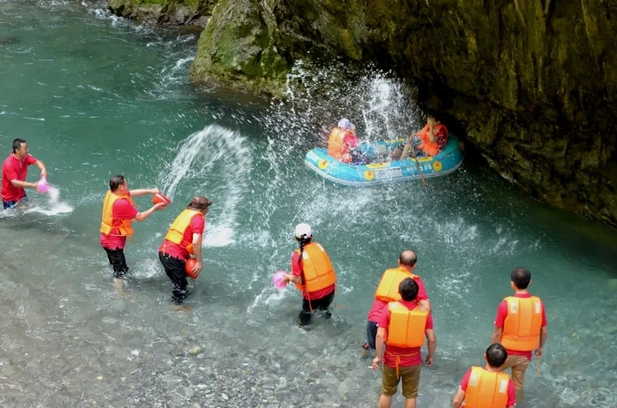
column 303, row 231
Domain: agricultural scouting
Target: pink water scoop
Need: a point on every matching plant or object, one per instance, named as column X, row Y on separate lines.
column 42, row 186
column 279, row 279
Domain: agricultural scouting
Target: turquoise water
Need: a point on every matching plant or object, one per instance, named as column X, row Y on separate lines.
column 96, row 96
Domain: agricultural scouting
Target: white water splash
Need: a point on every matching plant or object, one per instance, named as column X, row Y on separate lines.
column 213, row 150
column 53, row 206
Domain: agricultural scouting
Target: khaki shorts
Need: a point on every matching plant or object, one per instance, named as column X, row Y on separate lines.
column 519, row 365
column 409, row 375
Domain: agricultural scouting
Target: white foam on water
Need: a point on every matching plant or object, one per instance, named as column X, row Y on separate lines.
column 53, row 206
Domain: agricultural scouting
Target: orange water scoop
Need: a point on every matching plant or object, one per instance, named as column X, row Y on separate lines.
column 160, row 198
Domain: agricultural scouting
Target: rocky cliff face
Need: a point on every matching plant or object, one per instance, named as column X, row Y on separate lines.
column 534, row 82
column 193, row 13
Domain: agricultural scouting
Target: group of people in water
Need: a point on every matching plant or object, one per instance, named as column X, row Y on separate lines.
column 182, row 241
column 400, row 317
column 343, row 143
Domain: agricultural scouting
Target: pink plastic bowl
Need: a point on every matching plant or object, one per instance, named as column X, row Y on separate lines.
column 279, row 279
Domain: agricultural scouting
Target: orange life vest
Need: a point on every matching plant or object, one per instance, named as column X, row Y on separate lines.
column 336, row 145
column 521, row 329
column 387, row 290
column 107, row 225
column 178, row 228
column 317, row 269
column 406, row 327
column 429, row 147
column 487, row 389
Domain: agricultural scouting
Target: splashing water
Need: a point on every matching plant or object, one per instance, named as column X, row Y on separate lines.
column 379, row 104
column 213, row 150
column 53, row 206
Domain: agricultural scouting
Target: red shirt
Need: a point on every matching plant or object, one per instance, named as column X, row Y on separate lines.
column 122, row 210
column 379, row 305
column 407, row 356
column 297, row 271
column 350, row 140
column 197, row 226
column 14, row 169
column 502, row 313
column 511, row 389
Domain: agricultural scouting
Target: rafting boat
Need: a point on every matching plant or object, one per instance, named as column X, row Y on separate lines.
column 381, row 168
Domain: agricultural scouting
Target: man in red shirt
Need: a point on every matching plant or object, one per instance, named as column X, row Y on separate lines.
column 184, row 238
column 520, row 326
column 118, row 213
column 489, row 386
column 14, row 172
column 403, row 361
column 406, row 262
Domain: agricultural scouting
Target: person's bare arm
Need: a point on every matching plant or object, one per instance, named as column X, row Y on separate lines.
column 432, row 346
column 379, row 347
column 197, row 241
column 497, row 335
column 23, row 184
column 143, row 215
column 458, row 399
column 41, row 167
column 543, row 334
column 143, row 191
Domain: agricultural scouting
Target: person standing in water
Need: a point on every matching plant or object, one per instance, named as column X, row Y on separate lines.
column 520, row 326
column 488, row 386
column 184, row 238
column 400, row 336
column 313, row 274
column 14, row 173
column 119, row 211
column 387, row 291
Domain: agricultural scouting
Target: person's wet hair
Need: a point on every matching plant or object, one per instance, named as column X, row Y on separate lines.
column 199, row 203
column 521, row 277
column 496, row 355
column 408, row 258
column 408, row 289
column 17, row 144
column 115, row 182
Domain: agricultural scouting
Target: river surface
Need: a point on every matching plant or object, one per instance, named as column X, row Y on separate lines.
column 97, row 96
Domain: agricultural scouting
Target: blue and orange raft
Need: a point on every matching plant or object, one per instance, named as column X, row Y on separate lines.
column 382, row 170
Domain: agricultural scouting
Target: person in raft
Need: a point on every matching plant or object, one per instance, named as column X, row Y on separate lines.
column 119, row 211
column 184, row 238
column 14, row 173
column 520, row 326
column 342, row 141
column 427, row 142
column 387, row 291
column 488, row 386
column 402, row 328
column 313, row 275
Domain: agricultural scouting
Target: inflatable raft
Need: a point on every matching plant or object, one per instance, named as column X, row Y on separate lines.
column 381, row 169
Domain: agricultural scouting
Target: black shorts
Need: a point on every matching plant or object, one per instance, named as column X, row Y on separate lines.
column 117, row 261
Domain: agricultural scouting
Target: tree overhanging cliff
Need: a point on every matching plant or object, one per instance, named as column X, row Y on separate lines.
column 534, row 82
